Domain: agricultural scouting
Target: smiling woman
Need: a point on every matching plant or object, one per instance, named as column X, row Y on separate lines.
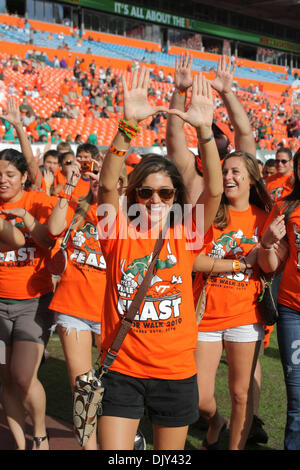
column 25, row 293
column 231, row 316
column 157, row 357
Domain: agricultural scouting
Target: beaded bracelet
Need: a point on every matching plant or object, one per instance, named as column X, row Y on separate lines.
column 128, row 129
column 119, row 153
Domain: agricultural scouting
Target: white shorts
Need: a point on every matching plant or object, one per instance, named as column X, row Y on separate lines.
column 239, row 334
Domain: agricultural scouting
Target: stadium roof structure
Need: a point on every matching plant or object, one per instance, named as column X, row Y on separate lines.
column 285, row 12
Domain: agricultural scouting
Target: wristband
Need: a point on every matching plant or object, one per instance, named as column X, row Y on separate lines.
column 119, row 153
column 236, row 266
column 49, row 234
column 204, row 141
column 181, row 93
column 266, row 247
column 64, row 195
column 69, row 184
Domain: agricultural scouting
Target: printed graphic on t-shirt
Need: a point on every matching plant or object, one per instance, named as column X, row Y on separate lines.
column 297, row 244
column 23, row 256
column 87, row 250
column 276, row 193
column 161, row 306
column 230, row 245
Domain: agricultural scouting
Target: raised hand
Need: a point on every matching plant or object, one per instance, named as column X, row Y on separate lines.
column 275, row 231
column 200, row 112
column 73, row 173
column 136, row 105
column 222, row 83
column 12, row 114
column 182, row 77
column 48, row 177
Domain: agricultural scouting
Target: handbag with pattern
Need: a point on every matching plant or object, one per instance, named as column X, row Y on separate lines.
column 87, row 398
column 266, row 304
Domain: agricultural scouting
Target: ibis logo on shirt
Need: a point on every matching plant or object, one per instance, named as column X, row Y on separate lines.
column 87, row 255
column 297, row 233
column 230, row 243
column 276, row 193
column 162, row 300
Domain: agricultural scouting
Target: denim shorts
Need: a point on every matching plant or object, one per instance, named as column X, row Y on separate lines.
column 171, row 403
column 79, row 324
column 238, row 334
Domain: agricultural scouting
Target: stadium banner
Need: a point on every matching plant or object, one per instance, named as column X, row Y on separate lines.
column 171, row 20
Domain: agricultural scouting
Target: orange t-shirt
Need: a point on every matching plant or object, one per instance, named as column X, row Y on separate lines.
column 279, row 186
column 23, row 272
column 162, row 339
column 64, row 89
column 289, row 290
column 59, row 178
column 81, row 289
column 231, row 297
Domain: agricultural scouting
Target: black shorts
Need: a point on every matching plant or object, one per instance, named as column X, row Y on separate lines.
column 168, row 402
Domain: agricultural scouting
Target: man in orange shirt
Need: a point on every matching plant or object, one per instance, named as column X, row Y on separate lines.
column 280, row 184
column 64, row 91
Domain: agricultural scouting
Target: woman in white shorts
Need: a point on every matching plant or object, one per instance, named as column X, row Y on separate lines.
column 231, row 320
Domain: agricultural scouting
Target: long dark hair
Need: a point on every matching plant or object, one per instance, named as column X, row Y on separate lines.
column 16, row 158
column 292, row 200
column 258, row 197
column 153, row 163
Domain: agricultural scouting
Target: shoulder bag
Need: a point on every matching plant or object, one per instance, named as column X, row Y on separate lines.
column 266, row 303
column 201, row 304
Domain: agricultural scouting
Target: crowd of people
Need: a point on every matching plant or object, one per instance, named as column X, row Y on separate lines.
column 223, row 216
column 94, row 91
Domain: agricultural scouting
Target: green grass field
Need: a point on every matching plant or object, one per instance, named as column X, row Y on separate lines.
column 272, row 410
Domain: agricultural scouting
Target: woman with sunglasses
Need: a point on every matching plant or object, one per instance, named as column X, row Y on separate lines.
column 280, row 250
column 155, row 366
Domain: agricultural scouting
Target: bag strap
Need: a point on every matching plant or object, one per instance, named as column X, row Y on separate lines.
column 127, row 320
column 64, row 242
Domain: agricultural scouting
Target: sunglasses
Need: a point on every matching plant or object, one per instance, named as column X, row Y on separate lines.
column 284, row 162
column 146, row 192
column 68, row 162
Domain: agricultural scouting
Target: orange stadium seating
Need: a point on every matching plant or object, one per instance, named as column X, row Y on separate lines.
column 263, row 107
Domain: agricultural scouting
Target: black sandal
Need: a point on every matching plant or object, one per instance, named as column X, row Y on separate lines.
column 39, row 440
column 214, row 445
